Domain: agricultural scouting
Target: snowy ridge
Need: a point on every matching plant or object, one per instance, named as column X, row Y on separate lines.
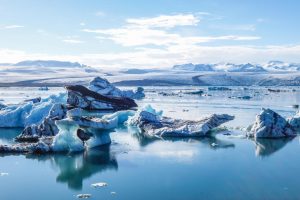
column 271, row 66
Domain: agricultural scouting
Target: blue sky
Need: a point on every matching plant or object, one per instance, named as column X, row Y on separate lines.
column 150, row 33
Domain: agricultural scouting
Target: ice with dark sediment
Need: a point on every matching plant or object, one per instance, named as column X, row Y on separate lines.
column 152, row 123
column 269, row 124
column 81, row 97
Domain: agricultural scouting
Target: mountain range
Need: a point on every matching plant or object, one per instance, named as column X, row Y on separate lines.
column 272, row 66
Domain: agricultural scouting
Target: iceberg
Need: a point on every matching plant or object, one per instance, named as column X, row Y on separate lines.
column 269, row 124
column 28, row 113
column 104, row 87
column 67, row 139
column 152, row 123
column 81, row 97
column 96, row 130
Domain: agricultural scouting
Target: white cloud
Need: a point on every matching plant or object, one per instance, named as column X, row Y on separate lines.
column 165, row 21
column 155, row 31
column 100, row 14
column 239, row 27
column 12, row 26
column 73, row 41
column 137, row 36
column 82, row 24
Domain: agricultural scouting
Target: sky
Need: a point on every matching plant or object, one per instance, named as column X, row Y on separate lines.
column 149, row 34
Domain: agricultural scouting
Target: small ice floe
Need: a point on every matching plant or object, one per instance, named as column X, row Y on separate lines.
column 269, row 124
column 198, row 92
column 3, row 174
column 84, row 196
column 43, row 88
column 113, row 193
column 219, row 89
column 100, row 184
column 214, row 144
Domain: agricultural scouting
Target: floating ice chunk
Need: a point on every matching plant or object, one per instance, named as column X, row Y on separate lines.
column 84, row 196
column 269, row 124
column 113, row 193
column 3, row 174
column 153, row 124
column 44, row 88
column 42, row 146
column 100, row 184
column 104, row 87
column 214, row 144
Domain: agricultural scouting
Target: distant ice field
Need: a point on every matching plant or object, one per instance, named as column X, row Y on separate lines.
column 178, row 102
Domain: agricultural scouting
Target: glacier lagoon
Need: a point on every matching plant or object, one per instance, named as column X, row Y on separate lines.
column 218, row 167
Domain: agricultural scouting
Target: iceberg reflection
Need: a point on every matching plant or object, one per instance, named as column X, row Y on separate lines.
column 266, row 147
column 74, row 168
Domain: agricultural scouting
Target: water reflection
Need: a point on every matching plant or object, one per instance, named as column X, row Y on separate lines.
column 266, row 147
column 211, row 140
column 74, row 168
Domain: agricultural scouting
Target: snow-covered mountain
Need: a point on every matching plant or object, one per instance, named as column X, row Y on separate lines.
column 49, row 63
column 47, row 66
column 27, row 72
column 248, row 67
column 281, row 66
column 192, row 67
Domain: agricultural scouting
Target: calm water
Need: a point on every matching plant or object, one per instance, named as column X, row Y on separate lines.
column 139, row 168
